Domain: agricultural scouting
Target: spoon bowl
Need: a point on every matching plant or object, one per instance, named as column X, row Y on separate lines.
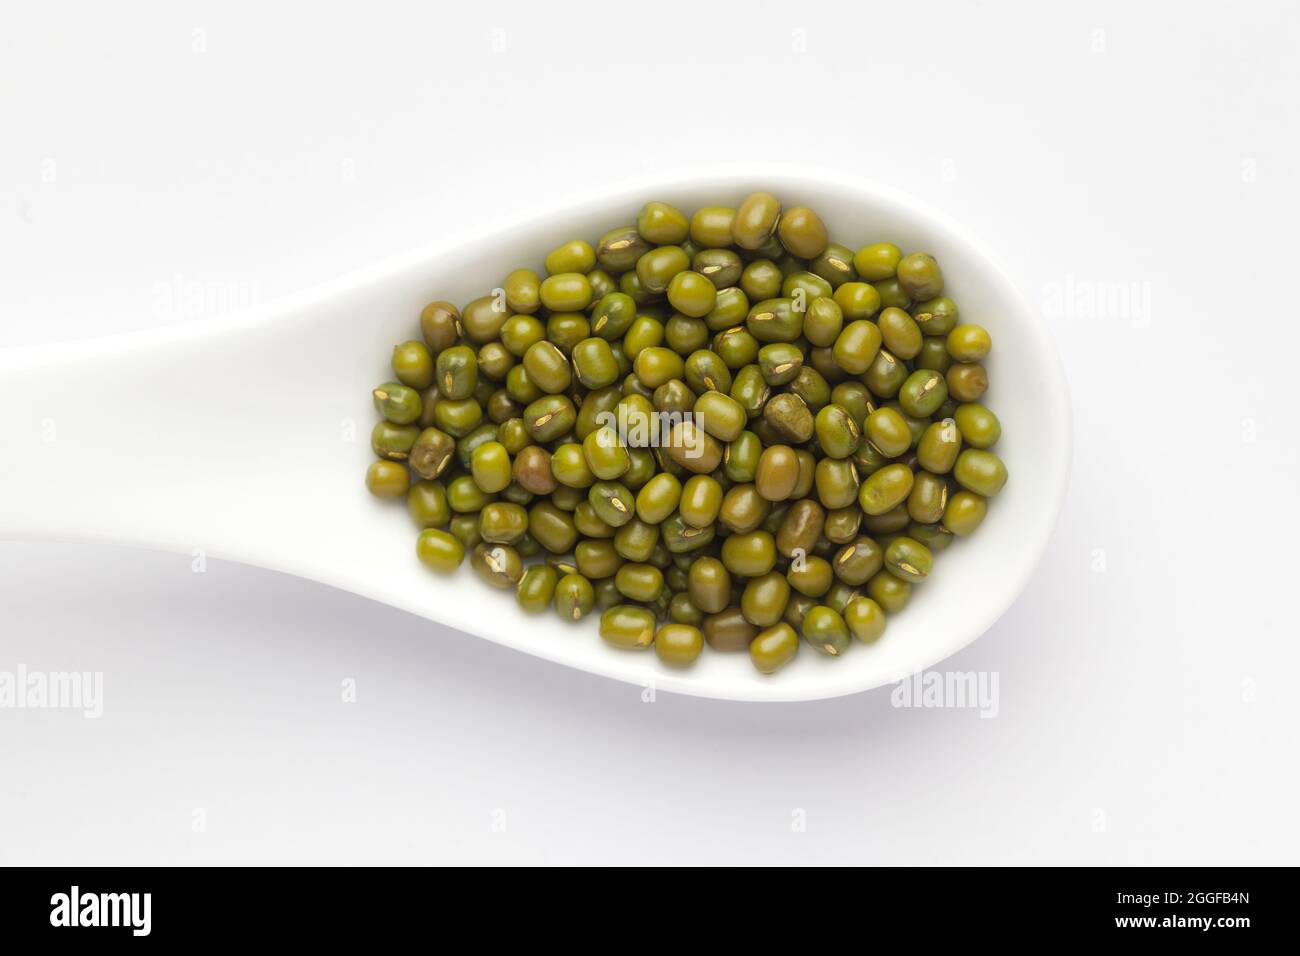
column 246, row 437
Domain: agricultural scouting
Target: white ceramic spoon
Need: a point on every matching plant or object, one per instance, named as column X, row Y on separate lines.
column 247, row 436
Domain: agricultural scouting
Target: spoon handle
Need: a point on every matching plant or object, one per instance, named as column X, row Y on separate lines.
column 202, row 437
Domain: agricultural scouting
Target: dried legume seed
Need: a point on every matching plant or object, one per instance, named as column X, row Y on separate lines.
column 722, row 419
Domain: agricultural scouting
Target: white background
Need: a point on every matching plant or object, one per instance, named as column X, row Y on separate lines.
column 1133, row 165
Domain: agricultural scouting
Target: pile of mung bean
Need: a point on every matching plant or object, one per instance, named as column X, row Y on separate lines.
column 719, row 428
